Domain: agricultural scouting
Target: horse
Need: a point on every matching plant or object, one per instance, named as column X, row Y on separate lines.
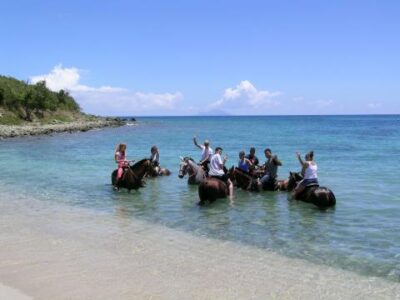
column 211, row 189
column 158, row 171
column 243, row 180
column 320, row 196
column 132, row 179
column 196, row 173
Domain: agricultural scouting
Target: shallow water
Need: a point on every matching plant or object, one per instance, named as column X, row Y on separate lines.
column 358, row 158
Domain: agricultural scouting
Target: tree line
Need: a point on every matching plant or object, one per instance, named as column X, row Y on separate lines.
column 33, row 100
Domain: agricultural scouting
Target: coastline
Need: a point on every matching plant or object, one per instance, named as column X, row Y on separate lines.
column 10, row 131
column 53, row 251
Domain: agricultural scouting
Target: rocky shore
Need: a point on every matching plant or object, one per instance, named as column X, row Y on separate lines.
column 9, row 131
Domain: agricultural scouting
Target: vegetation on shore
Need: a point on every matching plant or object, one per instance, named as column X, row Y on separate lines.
column 24, row 103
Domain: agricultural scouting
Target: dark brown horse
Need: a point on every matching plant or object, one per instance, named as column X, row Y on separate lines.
column 243, row 179
column 211, row 189
column 158, row 171
column 132, row 179
column 315, row 194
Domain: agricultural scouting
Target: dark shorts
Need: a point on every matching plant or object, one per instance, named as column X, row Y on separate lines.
column 307, row 182
column 224, row 178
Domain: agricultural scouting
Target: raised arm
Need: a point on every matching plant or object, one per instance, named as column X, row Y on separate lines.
column 195, row 142
column 302, row 163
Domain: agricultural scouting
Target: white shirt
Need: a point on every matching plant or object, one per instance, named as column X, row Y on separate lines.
column 215, row 165
column 205, row 152
column 311, row 172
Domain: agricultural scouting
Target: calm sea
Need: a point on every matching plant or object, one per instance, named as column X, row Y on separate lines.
column 358, row 158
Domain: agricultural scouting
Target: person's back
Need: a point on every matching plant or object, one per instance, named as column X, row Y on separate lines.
column 215, row 165
column 311, row 171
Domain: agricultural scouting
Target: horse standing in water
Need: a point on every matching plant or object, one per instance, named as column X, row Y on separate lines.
column 195, row 172
column 315, row 194
column 154, row 172
column 243, row 180
column 132, row 179
column 211, row 189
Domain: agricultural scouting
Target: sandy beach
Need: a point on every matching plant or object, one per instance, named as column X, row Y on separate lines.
column 8, row 131
column 53, row 252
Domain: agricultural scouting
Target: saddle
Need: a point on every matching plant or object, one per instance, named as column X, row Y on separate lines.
column 312, row 184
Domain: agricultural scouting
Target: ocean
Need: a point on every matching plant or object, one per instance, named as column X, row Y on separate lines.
column 358, row 158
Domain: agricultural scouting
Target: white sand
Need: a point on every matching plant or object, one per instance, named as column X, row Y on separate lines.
column 11, row 294
column 54, row 252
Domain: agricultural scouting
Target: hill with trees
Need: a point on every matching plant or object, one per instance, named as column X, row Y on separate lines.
column 22, row 102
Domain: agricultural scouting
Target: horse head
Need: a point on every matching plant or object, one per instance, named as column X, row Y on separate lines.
column 294, row 177
column 187, row 165
column 183, row 167
column 231, row 173
column 142, row 167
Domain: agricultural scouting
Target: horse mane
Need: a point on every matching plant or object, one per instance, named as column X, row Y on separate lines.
column 188, row 158
column 140, row 162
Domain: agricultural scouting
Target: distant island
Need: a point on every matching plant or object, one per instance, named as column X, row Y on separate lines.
column 32, row 109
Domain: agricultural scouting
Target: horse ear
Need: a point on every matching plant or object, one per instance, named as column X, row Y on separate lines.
column 290, row 173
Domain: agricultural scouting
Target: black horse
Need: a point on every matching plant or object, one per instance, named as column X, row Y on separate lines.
column 315, row 194
column 132, row 179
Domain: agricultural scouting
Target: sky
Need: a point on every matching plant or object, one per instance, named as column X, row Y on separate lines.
column 162, row 58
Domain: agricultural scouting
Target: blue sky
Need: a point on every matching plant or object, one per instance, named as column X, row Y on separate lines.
column 209, row 57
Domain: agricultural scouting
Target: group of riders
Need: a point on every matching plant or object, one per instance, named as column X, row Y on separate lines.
column 266, row 174
column 214, row 165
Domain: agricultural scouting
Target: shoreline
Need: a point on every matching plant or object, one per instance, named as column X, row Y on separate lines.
column 11, row 131
column 54, row 251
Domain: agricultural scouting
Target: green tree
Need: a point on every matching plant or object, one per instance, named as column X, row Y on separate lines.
column 29, row 104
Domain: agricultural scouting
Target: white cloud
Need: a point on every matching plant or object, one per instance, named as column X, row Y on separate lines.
column 107, row 100
column 245, row 98
column 374, row 105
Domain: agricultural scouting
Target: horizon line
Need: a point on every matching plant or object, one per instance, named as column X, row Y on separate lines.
column 294, row 115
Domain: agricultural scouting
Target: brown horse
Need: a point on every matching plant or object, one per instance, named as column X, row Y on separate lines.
column 211, row 189
column 243, row 179
column 158, row 171
column 320, row 196
column 132, row 179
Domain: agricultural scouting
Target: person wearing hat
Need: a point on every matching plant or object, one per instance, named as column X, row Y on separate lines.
column 205, row 154
column 217, row 169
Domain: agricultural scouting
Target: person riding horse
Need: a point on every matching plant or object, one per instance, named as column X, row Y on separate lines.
column 309, row 172
column 206, row 153
column 122, row 162
column 268, row 179
column 217, row 169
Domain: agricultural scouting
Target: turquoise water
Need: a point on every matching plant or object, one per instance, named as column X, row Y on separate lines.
column 358, row 158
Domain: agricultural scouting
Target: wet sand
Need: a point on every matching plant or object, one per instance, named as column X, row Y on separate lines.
column 55, row 252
